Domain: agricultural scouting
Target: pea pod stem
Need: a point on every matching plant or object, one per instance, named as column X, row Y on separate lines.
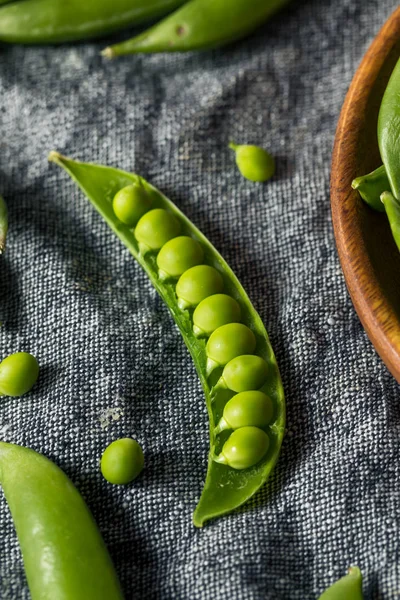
column 51, row 21
column 3, row 224
column 63, row 552
column 200, row 24
column 225, row 488
column 371, row 186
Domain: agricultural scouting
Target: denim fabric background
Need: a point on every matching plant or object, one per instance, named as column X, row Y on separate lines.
column 113, row 363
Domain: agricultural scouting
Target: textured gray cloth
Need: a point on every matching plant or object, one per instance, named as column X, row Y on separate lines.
column 112, row 361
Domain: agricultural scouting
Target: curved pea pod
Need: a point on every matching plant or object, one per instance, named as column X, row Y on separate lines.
column 392, row 208
column 64, row 554
column 226, row 487
column 49, row 21
column 3, row 224
column 371, row 186
column 200, row 24
column 389, row 131
column 348, row 587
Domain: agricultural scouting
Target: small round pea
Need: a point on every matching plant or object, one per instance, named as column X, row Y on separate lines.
column 245, row 409
column 244, row 448
column 155, row 229
column 246, row 372
column 227, row 342
column 214, row 311
column 254, row 163
column 131, row 203
column 178, row 255
column 197, row 283
column 18, row 374
column 122, row 461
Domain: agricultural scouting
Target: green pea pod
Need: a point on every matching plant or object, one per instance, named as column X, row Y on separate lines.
column 226, row 487
column 348, row 587
column 392, row 208
column 49, row 21
column 3, row 224
column 389, row 130
column 63, row 552
column 199, row 25
column 371, row 186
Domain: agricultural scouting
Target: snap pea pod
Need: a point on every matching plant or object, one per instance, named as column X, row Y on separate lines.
column 200, row 24
column 64, row 555
column 49, row 21
column 3, row 224
column 348, row 587
column 235, row 472
column 389, row 131
column 371, row 186
column 392, row 208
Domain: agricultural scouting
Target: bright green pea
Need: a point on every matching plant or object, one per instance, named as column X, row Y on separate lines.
column 18, row 374
column 214, row 311
column 178, row 255
column 196, row 284
column 131, row 203
column 246, row 408
column 155, row 229
column 122, row 461
column 246, row 372
column 348, row 587
column 244, row 448
column 254, row 163
column 227, row 342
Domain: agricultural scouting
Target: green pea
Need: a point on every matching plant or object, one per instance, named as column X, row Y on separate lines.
column 196, row 284
column 227, row 342
column 18, row 374
column 244, row 448
column 214, row 311
column 155, row 229
column 254, row 163
column 348, row 587
column 130, row 203
column 122, row 461
column 246, row 372
column 178, row 255
column 246, row 408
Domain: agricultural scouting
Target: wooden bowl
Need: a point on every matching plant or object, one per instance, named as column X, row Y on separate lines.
column 367, row 252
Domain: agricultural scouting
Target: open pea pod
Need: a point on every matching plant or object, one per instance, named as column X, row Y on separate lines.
column 64, row 554
column 50, row 21
column 224, row 334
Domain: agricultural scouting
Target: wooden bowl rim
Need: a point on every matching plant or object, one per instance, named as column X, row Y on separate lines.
column 377, row 315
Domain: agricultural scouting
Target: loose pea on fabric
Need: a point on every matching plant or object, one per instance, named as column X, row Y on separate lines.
column 122, row 461
column 254, row 163
column 18, row 374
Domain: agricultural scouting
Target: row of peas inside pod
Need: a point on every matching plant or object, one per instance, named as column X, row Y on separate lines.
column 234, row 371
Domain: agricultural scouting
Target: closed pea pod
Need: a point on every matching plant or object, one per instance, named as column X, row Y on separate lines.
column 246, row 372
column 214, row 311
column 244, row 448
column 178, row 255
column 64, row 555
column 227, row 342
column 50, row 21
column 155, row 228
column 198, row 283
column 200, row 24
column 348, row 587
column 131, row 203
column 18, row 374
column 246, row 408
column 225, row 487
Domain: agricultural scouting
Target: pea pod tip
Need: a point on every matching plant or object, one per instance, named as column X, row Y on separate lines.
column 108, row 53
